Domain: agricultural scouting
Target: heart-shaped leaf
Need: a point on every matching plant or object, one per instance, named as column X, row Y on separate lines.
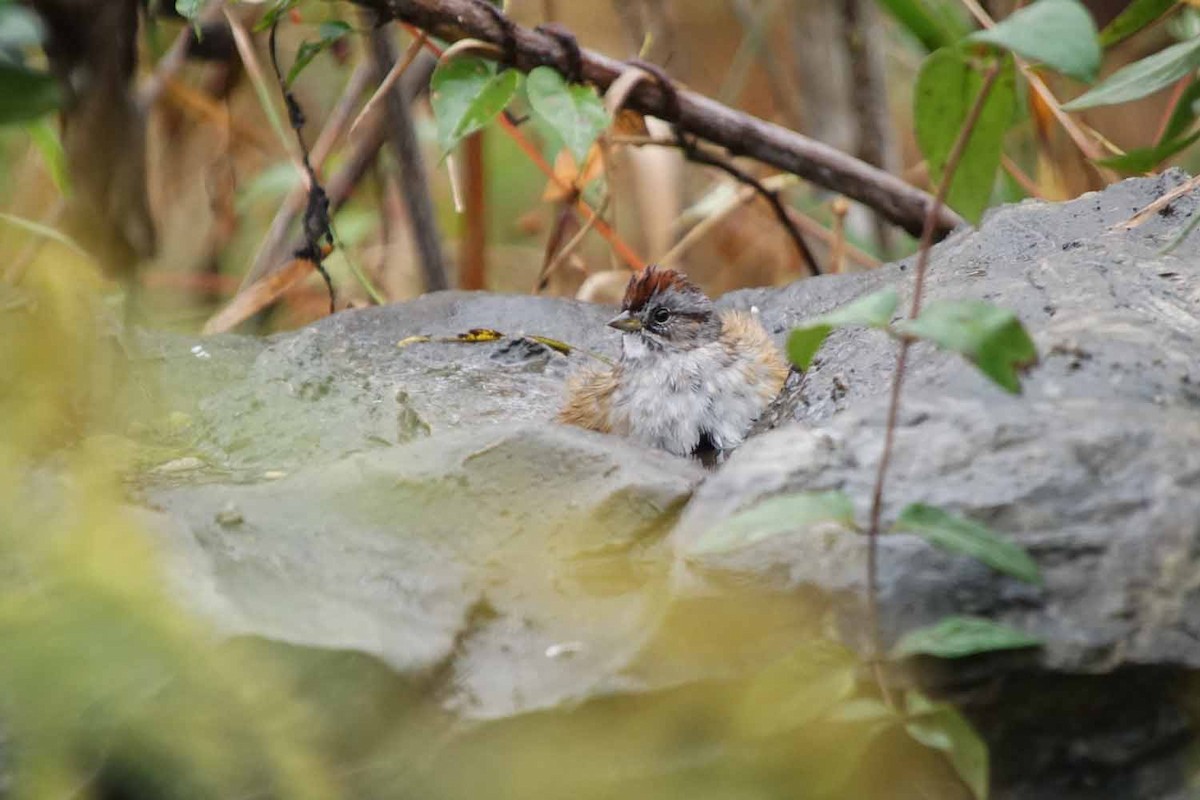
column 947, row 88
column 1142, row 77
column 873, row 311
column 990, row 337
column 575, row 112
column 774, row 516
column 1058, row 33
column 467, row 94
column 957, row 637
column 961, row 535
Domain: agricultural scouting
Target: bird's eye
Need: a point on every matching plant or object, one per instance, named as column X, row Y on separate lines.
column 660, row 315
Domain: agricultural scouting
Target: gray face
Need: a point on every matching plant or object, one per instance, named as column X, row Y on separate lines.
column 679, row 320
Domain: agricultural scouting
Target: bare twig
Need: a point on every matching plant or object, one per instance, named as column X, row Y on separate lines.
column 338, row 188
column 813, row 228
column 245, row 48
column 840, row 208
column 952, row 161
column 570, row 247
column 694, row 152
column 1018, row 175
column 270, row 252
column 472, row 257
column 414, row 183
column 1162, row 202
column 741, row 134
column 317, row 220
column 868, row 96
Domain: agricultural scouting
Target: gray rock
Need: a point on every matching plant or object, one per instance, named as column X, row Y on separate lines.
column 514, row 557
column 426, row 513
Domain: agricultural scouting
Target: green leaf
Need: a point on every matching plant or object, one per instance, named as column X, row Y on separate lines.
column 940, row 726
column 1058, row 33
column 467, row 94
column 1184, row 114
column 991, row 338
column 1146, row 159
column 957, row 637
column 273, row 14
column 933, row 24
column 576, row 113
column 45, row 139
column 873, row 311
column 1141, row 78
column 960, row 535
column 328, row 33
column 189, row 9
column 26, row 95
column 774, row 516
column 947, row 88
column 1136, row 16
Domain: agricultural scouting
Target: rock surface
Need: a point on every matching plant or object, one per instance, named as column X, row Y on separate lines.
column 413, row 504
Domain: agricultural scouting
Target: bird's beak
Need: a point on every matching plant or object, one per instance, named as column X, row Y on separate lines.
column 625, row 323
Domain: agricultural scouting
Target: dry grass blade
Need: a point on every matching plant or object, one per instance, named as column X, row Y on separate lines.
column 837, row 254
column 1081, row 140
column 266, row 256
column 1159, row 204
column 258, row 296
column 245, row 48
column 394, row 75
column 570, row 247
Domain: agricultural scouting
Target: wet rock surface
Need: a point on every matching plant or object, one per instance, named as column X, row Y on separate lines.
column 414, row 504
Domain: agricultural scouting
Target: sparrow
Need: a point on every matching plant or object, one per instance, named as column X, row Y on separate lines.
column 690, row 380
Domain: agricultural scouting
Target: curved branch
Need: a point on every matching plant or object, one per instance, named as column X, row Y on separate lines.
column 740, row 133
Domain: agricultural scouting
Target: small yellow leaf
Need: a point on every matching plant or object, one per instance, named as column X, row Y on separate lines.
column 480, row 335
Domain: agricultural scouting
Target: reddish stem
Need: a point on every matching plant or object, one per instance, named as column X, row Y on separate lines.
column 931, row 217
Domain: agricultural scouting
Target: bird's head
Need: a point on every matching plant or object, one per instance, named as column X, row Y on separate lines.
column 666, row 311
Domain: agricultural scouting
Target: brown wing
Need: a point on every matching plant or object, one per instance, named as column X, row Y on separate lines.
column 589, row 400
column 768, row 366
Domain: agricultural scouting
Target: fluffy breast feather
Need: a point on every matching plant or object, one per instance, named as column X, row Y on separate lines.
column 673, row 399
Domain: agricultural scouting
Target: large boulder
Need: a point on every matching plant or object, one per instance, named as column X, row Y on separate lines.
column 416, row 504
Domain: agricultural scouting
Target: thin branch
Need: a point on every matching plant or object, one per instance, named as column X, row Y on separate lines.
column 472, row 257
column 893, row 413
column 396, row 72
column 1031, row 188
column 270, row 252
column 740, row 133
column 1159, row 204
column 245, row 48
column 414, row 182
column 570, row 247
column 702, row 156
